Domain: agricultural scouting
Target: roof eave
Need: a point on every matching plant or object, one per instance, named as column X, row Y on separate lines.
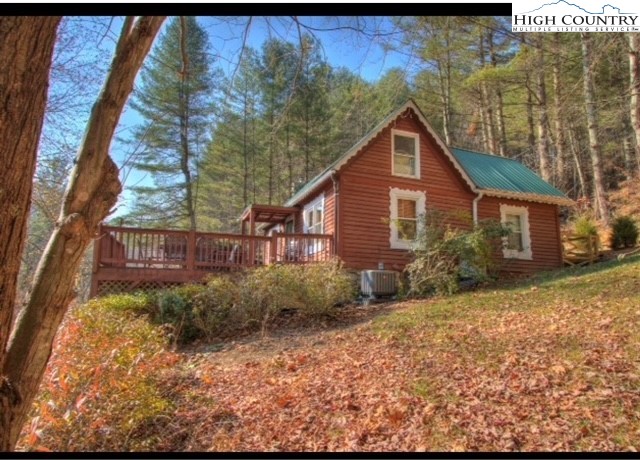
column 295, row 199
column 537, row 198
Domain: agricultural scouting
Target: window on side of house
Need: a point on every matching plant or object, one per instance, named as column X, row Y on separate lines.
column 406, row 207
column 407, row 219
column 289, row 226
column 517, row 244
column 313, row 215
column 405, row 148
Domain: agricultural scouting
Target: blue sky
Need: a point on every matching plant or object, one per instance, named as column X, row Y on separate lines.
column 362, row 54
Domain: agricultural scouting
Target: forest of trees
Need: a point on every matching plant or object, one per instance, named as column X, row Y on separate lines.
column 563, row 104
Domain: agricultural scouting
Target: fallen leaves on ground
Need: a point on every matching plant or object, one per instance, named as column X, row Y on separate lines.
column 556, row 368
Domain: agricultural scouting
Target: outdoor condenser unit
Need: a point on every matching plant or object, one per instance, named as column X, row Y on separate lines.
column 378, row 283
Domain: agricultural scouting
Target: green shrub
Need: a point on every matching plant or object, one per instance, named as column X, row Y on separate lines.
column 226, row 306
column 624, row 232
column 216, row 307
column 138, row 303
column 585, row 226
column 176, row 308
column 312, row 290
column 444, row 254
column 268, row 290
column 103, row 386
column 324, row 286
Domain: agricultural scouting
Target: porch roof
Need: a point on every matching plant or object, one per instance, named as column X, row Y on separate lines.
column 267, row 213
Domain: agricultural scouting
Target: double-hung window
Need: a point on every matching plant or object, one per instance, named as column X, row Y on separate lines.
column 314, row 223
column 407, row 219
column 405, row 152
column 517, row 244
column 406, row 208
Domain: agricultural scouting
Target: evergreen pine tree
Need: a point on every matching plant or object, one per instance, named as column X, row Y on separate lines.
column 176, row 104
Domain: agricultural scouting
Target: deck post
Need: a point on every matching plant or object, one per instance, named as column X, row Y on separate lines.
column 191, row 250
column 96, row 249
column 273, row 250
column 97, row 244
column 252, row 241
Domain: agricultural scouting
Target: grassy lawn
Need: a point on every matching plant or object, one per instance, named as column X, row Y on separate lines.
column 549, row 364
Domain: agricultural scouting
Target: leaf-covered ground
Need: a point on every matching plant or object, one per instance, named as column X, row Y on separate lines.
column 553, row 364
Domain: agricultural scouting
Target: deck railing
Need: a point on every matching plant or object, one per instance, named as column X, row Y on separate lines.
column 126, row 247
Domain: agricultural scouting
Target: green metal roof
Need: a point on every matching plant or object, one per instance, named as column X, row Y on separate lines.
column 500, row 173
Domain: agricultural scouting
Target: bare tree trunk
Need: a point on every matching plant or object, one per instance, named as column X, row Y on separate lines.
column 92, row 191
column 502, row 130
column 26, row 49
column 245, row 150
column 542, row 121
column 634, row 89
column 447, row 85
column 271, row 147
column 628, row 150
column 445, row 100
column 307, row 150
column 561, row 180
column 444, row 78
column 485, row 102
column 289, row 153
column 576, row 159
column 254, row 172
column 184, row 124
column 531, row 134
column 592, row 122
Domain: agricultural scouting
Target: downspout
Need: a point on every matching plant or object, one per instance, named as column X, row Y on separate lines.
column 475, row 207
column 336, row 196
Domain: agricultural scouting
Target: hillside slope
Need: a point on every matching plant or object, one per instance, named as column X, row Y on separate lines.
column 552, row 364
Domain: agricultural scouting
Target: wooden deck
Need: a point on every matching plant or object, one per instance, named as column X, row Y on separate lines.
column 126, row 258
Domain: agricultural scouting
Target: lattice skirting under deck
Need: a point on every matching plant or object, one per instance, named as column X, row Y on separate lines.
column 106, row 287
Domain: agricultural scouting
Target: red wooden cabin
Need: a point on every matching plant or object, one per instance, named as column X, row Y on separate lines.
column 363, row 208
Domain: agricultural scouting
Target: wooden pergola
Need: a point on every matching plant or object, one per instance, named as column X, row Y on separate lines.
column 262, row 213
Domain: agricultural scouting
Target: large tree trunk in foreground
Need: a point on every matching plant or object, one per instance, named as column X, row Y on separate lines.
column 602, row 205
column 93, row 190
column 27, row 44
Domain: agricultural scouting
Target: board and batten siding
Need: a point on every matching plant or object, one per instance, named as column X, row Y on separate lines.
column 364, row 202
column 546, row 245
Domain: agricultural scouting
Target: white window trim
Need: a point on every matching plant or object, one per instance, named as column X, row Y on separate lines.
column 394, row 194
column 317, row 245
column 416, row 136
column 523, row 212
column 309, row 206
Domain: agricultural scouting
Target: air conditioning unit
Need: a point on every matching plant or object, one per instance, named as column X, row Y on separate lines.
column 378, row 283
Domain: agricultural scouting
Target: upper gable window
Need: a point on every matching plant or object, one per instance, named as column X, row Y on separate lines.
column 405, row 148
